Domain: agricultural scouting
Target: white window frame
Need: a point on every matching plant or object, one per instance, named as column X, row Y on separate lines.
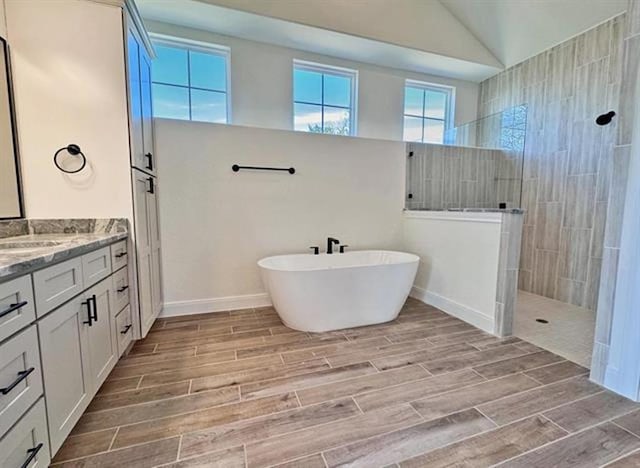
column 198, row 46
column 448, row 112
column 327, row 70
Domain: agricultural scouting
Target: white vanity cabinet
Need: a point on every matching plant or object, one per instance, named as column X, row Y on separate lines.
column 63, row 348
column 79, row 349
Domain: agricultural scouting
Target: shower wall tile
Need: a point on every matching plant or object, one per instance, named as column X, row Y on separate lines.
column 633, row 18
column 553, row 177
column 570, row 291
column 574, row 254
column 593, row 283
column 586, row 147
column 628, row 89
column 599, row 224
column 548, row 224
column 527, row 251
column 615, row 209
column 568, row 160
column 545, row 273
column 580, row 200
column 625, row 61
column 525, row 280
column 529, row 200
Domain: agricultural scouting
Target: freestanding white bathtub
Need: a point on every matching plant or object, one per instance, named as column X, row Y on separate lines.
column 318, row 293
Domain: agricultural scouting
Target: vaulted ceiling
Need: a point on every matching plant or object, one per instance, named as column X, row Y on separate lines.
column 465, row 39
column 514, row 30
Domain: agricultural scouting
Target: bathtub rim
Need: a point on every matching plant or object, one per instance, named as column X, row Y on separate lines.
column 411, row 258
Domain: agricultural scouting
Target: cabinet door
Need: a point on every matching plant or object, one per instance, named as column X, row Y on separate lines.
column 103, row 344
column 143, row 200
column 135, row 100
column 65, row 367
column 156, row 270
column 147, row 113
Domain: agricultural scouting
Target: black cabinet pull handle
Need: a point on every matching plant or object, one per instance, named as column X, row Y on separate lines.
column 123, row 289
column 149, row 157
column 89, row 320
column 32, row 452
column 121, row 254
column 93, row 299
column 152, row 186
column 126, row 329
column 13, row 308
column 21, row 376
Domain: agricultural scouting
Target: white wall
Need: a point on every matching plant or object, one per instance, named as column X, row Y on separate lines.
column 216, row 224
column 3, row 22
column 459, row 255
column 69, row 84
column 262, row 85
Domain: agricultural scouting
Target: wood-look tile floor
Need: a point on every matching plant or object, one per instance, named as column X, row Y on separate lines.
column 241, row 389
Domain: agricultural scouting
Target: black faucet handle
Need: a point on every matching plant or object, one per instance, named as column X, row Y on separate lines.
column 342, row 248
column 316, row 249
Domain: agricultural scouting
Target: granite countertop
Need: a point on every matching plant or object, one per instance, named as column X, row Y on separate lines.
column 36, row 248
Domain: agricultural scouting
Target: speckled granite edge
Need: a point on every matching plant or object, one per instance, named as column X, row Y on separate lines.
column 77, row 226
column 80, row 236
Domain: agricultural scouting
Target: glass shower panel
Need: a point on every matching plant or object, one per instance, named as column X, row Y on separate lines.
column 481, row 168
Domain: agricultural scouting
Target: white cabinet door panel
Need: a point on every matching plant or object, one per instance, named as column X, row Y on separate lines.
column 102, row 351
column 65, row 367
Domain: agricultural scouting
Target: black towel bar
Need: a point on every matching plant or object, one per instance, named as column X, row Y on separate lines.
column 290, row 170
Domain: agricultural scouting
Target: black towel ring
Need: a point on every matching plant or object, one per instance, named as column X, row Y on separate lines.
column 73, row 150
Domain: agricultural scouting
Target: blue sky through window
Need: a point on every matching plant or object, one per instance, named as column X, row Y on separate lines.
column 189, row 84
column 426, row 111
column 323, row 101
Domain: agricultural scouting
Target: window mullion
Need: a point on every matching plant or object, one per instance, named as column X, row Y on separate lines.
column 322, row 101
column 189, row 82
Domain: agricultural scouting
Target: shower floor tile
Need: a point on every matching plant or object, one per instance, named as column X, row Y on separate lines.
column 238, row 389
column 569, row 331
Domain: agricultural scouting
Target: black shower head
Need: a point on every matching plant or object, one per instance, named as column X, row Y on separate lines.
column 605, row 119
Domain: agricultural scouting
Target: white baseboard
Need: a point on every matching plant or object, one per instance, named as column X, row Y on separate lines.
column 217, row 304
column 469, row 315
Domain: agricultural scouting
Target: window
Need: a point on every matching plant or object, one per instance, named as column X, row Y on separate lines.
column 427, row 112
column 324, row 99
column 190, row 82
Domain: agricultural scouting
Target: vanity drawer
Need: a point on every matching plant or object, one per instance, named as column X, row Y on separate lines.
column 96, row 266
column 57, row 284
column 27, row 444
column 17, row 308
column 119, row 255
column 20, row 377
column 120, row 289
column 124, row 329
